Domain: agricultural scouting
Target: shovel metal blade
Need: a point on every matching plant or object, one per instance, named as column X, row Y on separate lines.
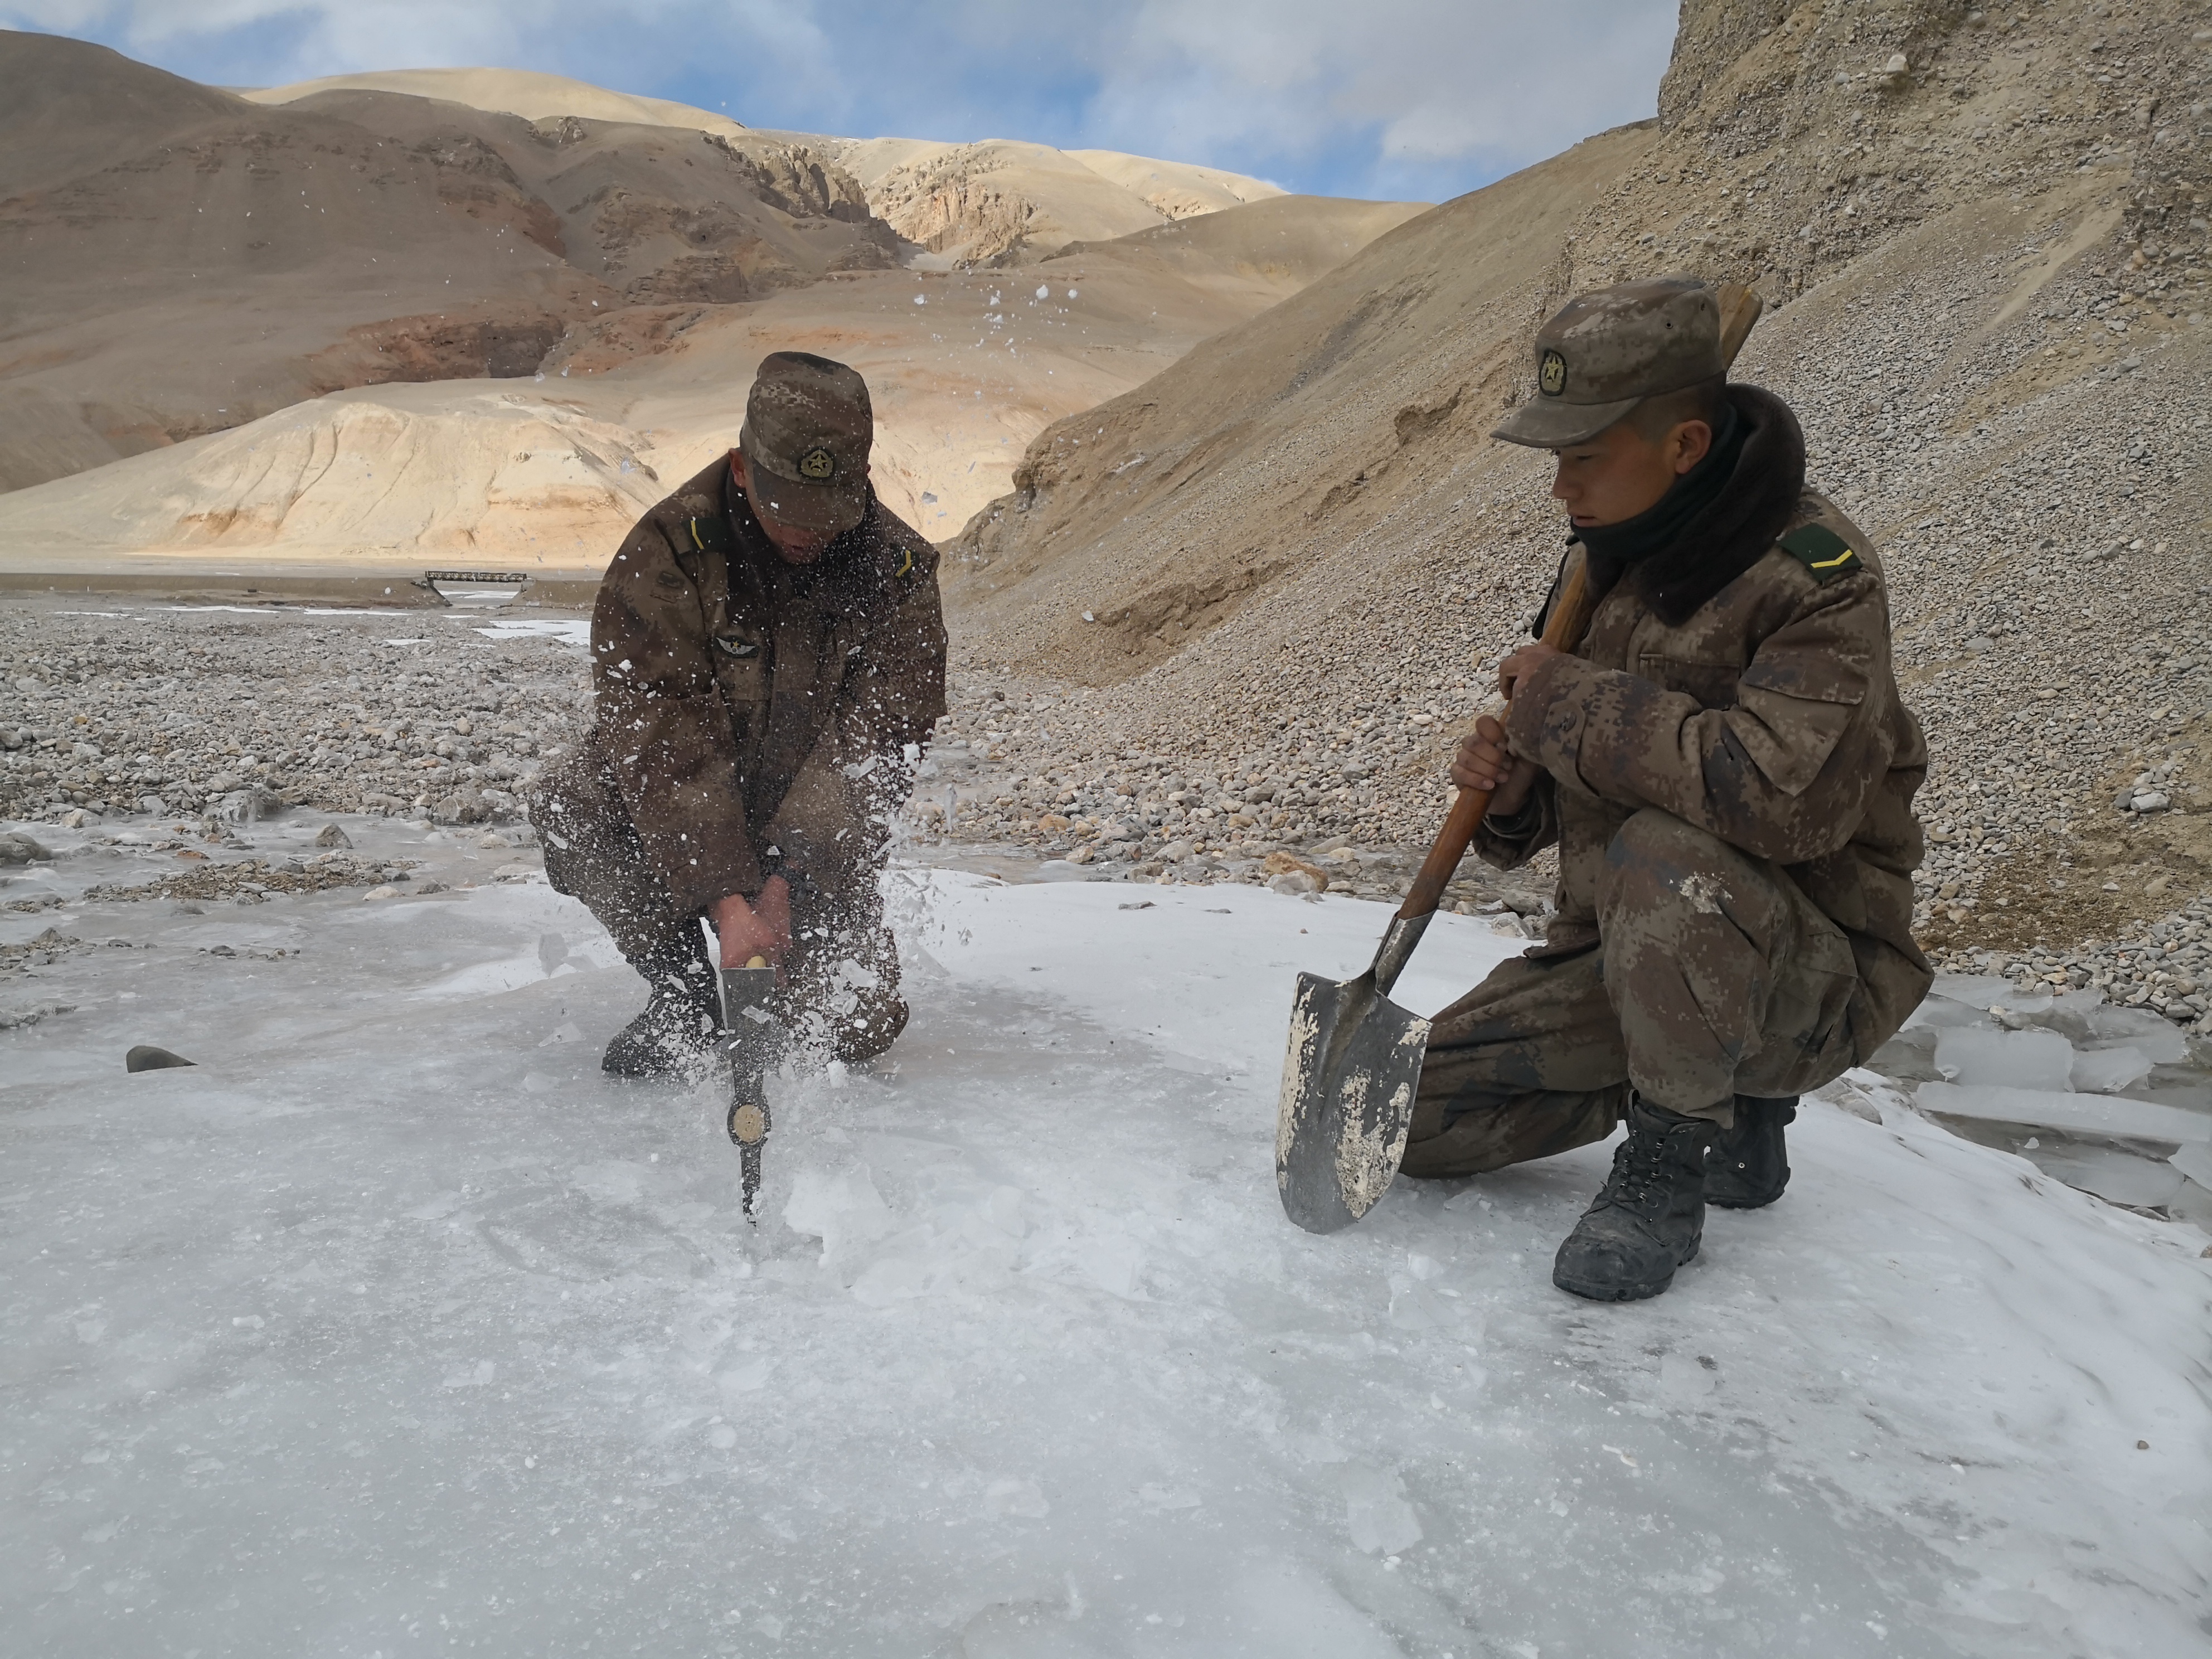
column 1347, row 1101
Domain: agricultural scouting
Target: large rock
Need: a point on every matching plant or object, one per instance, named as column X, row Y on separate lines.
column 462, row 806
column 249, row 805
column 16, row 847
column 145, row 1057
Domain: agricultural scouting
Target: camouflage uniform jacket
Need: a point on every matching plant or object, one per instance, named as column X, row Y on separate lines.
column 1766, row 714
column 753, row 713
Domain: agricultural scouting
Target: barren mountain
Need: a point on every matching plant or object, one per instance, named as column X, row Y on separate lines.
column 991, row 202
column 175, row 260
column 182, row 262
column 965, row 369
column 998, row 202
column 535, row 97
column 1289, row 559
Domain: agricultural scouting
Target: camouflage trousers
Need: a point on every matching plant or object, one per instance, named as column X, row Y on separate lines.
column 1713, row 975
column 840, row 980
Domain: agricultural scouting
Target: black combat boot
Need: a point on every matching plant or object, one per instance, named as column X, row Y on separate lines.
column 870, row 1029
column 1750, row 1166
column 1648, row 1218
column 671, row 1038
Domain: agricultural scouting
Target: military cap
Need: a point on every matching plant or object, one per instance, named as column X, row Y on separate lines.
column 808, row 428
column 1607, row 352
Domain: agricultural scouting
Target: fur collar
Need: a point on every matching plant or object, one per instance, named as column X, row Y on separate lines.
column 1737, row 529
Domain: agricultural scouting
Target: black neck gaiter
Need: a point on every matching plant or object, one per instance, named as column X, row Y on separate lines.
column 1613, row 548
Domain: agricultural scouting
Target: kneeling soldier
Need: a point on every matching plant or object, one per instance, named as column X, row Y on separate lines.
column 1728, row 771
column 767, row 644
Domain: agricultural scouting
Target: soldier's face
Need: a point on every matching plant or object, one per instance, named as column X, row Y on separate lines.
column 1621, row 473
column 794, row 544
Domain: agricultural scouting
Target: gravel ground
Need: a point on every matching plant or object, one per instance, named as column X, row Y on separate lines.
column 166, row 711
column 224, row 716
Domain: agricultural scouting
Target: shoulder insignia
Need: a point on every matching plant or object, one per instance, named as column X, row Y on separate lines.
column 905, row 564
column 1822, row 552
column 710, row 535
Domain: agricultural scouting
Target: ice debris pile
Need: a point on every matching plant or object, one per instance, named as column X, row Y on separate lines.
column 2164, row 965
column 2106, row 1098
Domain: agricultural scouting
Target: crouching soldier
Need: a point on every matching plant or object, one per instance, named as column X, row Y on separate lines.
column 1728, row 771
column 767, row 643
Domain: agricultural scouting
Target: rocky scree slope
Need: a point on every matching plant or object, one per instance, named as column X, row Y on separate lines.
column 1292, row 560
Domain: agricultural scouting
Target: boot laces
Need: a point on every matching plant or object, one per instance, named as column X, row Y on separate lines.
column 1640, row 1178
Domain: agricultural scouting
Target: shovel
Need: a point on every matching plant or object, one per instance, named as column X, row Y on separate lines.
column 747, row 1047
column 1355, row 1056
column 1354, row 1059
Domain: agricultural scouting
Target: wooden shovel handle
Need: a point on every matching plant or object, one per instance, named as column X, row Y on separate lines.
column 1739, row 309
column 1562, row 631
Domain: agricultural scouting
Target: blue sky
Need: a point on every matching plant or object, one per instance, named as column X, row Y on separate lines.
column 1403, row 99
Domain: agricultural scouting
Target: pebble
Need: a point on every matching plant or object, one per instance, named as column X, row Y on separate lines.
column 2164, row 965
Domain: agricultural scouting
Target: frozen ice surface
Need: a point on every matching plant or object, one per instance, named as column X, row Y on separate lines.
column 2162, row 1043
column 393, row 1329
column 568, row 631
column 2013, row 1060
column 2080, row 1114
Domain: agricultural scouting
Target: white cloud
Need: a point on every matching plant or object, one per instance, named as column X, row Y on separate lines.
column 1311, row 91
column 1478, row 79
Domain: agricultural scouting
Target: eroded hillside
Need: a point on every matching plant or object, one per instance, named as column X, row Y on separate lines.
column 1289, row 559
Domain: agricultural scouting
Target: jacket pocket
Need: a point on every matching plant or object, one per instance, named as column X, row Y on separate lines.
column 1712, row 683
column 744, row 681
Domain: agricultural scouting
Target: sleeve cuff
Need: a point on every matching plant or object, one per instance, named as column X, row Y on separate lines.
column 1517, row 826
column 1544, row 720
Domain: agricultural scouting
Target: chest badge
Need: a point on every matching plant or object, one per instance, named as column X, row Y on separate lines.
column 817, row 464
column 735, row 645
column 1551, row 374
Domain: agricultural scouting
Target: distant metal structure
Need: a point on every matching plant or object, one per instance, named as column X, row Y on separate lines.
column 434, row 583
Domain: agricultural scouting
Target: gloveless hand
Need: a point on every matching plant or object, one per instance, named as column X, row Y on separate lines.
column 1484, row 763
column 761, row 928
column 1521, row 664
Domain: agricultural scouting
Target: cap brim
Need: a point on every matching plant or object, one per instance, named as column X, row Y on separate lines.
column 1548, row 423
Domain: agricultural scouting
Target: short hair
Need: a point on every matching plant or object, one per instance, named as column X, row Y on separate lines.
column 1659, row 414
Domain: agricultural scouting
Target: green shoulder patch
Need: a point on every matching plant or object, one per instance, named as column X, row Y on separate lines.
column 1822, row 551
